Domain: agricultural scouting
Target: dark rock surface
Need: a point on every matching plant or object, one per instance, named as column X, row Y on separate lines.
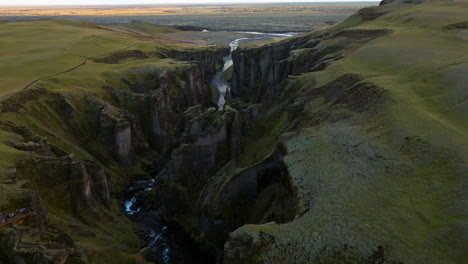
column 257, row 72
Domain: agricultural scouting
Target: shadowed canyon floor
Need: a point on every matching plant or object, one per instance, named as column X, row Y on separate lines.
column 343, row 145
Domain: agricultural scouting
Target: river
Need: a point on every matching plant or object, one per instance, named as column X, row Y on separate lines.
column 167, row 244
column 218, row 80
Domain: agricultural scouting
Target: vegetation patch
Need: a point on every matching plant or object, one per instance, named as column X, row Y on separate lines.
column 358, row 34
column 214, row 94
column 121, row 56
column 461, row 25
column 370, row 13
column 227, row 75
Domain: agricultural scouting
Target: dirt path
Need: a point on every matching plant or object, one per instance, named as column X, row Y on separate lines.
column 59, row 73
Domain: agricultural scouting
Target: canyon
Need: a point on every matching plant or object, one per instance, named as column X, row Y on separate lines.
column 341, row 145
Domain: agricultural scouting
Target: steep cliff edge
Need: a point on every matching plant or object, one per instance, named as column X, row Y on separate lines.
column 329, row 170
column 374, row 138
column 70, row 145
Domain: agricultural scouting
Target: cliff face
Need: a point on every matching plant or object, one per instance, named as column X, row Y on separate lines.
column 258, row 72
column 76, row 147
column 255, row 70
column 352, row 158
column 208, row 60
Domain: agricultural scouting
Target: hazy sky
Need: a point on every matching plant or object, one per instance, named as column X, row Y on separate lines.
column 166, row 2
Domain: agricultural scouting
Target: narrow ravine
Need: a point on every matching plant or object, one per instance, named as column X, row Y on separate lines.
column 168, row 245
column 218, row 80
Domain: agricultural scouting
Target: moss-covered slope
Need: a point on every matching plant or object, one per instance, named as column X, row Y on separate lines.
column 102, row 108
column 376, row 138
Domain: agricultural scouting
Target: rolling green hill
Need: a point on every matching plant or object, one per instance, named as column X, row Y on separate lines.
column 379, row 148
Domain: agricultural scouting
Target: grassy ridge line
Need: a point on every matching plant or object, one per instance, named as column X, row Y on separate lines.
column 28, row 54
column 69, row 70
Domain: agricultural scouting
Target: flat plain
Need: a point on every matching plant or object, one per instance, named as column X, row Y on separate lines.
column 261, row 17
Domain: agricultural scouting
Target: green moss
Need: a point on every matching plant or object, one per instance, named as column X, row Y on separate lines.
column 227, row 74
column 214, row 94
column 8, row 240
column 262, row 138
column 7, row 153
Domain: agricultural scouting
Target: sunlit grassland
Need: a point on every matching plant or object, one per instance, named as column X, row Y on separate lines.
column 31, row 50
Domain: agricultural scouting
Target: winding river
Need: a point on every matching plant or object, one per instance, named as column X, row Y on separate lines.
column 167, row 245
column 218, row 80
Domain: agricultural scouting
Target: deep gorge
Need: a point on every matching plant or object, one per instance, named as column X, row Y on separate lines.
column 330, row 148
column 202, row 189
column 198, row 181
column 212, row 139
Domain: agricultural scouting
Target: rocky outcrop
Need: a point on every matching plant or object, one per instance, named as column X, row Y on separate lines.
column 163, row 105
column 209, row 141
column 11, row 251
column 115, row 129
column 258, row 71
column 99, row 184
column 67, row 183
column 54, row 172
column 255, row 195
column 164, row 121
column 255, row 70
column 208, row 60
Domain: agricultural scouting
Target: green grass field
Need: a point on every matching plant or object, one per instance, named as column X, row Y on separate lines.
column 30, row 50
column 419, row 64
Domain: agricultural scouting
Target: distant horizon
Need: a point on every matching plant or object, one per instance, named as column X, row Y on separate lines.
column 85, row 3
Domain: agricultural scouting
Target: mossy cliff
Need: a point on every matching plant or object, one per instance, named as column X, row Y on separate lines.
column 71, row 143
column 344, row 145
column 374, row 139
column 352, row 146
